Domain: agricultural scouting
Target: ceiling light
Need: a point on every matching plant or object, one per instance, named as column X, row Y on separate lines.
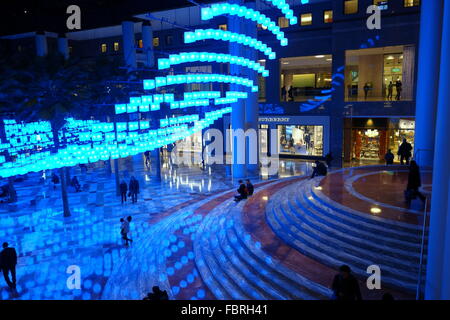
column 320, row 56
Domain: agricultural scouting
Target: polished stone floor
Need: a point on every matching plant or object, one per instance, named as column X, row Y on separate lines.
column 47, row 243
column 191, row 239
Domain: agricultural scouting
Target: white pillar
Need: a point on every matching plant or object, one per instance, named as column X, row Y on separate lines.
column 41, row 44
column 63, row 46
column 438, row 258
column 129, row 48
column 147, row 41
column 428, row 80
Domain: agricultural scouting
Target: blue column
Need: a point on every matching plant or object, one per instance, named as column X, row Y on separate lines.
column 129, row 50
column 63, row 46
column 252, row 106
column 427, row 81
column 147, row 41
column 238, row 112
column 438, row 261
column 41, row 44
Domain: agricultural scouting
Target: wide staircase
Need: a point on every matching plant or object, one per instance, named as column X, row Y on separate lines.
column 335, row 235
column 235, row 267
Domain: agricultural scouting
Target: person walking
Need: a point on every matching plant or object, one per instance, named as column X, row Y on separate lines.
column 123, row 191
column 399, row 87
column 389, row 158
column 8, row 262
column 147, row 158
column 390, row 91
column 291, row 93
column 404, row 151
column 414, row 183
column 125, row 230
column 366, row 90
column 134, row 189
column 76, row 184
column 345, row 286
column 328, row 159
column 283, row 94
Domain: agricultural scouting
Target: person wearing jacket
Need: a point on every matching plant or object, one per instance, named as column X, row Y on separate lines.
column 242, row 192
column 414, row 183
column 123, row 191
column 8, row 262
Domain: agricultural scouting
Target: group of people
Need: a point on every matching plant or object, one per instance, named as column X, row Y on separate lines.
column 125, row 230
column 404, row 152
column 73, row 182
column 130, row 190
column 244, row 191
column 399, row 87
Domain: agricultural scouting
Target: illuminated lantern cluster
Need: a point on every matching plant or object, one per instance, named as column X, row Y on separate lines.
column 213, row 34
column 185, row 57
column 197, row 78
column 244, row 12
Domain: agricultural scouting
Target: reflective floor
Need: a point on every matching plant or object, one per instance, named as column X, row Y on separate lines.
column 48, row 243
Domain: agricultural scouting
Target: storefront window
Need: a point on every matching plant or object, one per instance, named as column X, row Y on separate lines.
column 300, row 140
column 350, row 6
column 371, row 138
column 380, row 74
column 400, row 129
column 303, row 78
column 411, row 3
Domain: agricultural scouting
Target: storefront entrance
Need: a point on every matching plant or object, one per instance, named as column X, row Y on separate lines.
column 371, row 138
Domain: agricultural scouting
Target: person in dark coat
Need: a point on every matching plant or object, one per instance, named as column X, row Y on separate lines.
column 123, row 191
column 404, row 151
column 283, row 94
column 291, row 93
column 345, row 286
column 414, row 183
column 250, row 187
column 8, row 262
column 134, row 189
column 157, row 295
column 399, row 87
column 55, row 180
column 242, row 190
column 389, row 157
column 328, row 159
column 319, row 170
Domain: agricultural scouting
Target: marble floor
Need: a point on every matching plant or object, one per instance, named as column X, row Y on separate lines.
column 191, row 239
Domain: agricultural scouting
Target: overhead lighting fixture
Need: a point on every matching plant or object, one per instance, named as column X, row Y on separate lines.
column 320, row 56
column 390, row 58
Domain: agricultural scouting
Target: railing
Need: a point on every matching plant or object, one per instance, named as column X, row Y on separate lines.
column 422, row 249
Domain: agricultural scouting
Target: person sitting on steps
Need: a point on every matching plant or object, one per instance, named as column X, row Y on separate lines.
column 243, row 192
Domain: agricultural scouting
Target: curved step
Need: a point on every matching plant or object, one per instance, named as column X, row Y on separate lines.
column 338, row 221
column 226, row 252
column 324, row 252
column 300, row 205
column 293, row 282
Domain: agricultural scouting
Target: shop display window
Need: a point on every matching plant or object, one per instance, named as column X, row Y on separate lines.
column 380, row 74
column 300, row 140
column 304, row 78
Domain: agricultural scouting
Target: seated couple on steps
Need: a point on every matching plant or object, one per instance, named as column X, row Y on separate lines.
column 244, row 190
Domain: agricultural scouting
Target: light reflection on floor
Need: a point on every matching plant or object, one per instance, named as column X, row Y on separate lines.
column 47, row 243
